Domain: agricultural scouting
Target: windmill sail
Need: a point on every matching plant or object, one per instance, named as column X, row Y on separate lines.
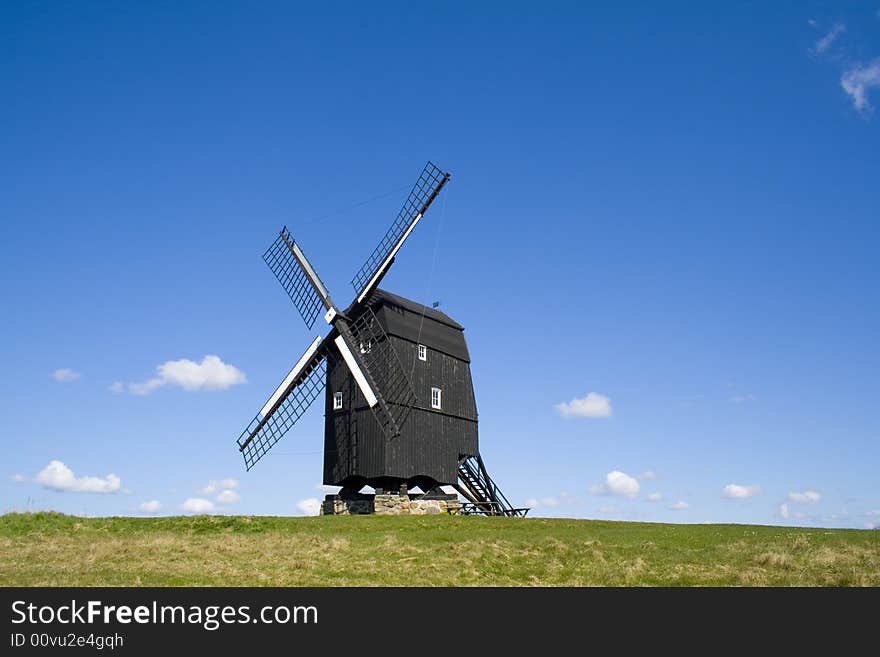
column 377, row 371
column 286, row 405
column 425, row 190
column 385, row 368
column 297, row 277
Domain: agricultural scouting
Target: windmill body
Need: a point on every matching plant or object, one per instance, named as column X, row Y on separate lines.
column 441, row 428
column 399, row 402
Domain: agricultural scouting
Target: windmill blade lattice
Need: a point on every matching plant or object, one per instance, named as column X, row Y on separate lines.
column 425, row 190
column 386, row 369
column 293, row 279
column 264, row 431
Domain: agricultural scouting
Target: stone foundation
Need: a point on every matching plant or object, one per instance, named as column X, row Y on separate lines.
column 390, row 504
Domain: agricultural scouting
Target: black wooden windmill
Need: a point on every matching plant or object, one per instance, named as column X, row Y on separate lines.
column 399, row 402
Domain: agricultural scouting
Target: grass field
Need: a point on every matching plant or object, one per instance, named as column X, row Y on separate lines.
column 53, row 549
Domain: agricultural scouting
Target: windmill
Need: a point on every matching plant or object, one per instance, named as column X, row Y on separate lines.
column 400, row 410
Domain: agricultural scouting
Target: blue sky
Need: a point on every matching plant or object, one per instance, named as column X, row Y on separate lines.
column 673, row 209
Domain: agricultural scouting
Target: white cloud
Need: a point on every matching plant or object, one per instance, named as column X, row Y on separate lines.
column 742, row 399
column 872, row 513
column 116, row 387
column 309, row 507
column 211, row 374
column 654, row 497
column 593, row 405
column 648, row 475
column 783, row 510
column 806, row 497
column 18, row 478
column 197, row 505
column 324, row 488
column 153, row 506
column 216, row 485
column 58, row 476
column 228, row 497
column 562, row 499
column 617, row 483
column 679, row 506
column 826, row 41
column 606, row 509
column 735, row 491
column 858, row 80
column 65, row 375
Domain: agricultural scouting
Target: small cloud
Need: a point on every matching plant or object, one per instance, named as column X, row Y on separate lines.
column 57, row 476
column 872, row 513
column 742, row 399
column 806, row 497
column 735, row 491
column 228, row 497
column 153, row 506
column 216, row 485
column 679, row 506
column 593, row 405
column 211, row 374
column 65, row 375
column 197, row 505
column 783, row 511
column 309, row 507
column 18, row 478
column 606, row 509
column 324, row 488
column 648, row 475
column 562, row 499
column 654, row 497
column 826, row 41
column 857, row 81
column 116, row 387
column 617, row 483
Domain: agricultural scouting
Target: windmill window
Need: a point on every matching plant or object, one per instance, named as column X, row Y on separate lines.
column 436, row 398
column 423, row 352
column 366, row 347
column 337, row 401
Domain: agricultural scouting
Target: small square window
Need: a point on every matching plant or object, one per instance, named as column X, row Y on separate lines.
column 337, row 401
column 423, row 352
column 436, row 398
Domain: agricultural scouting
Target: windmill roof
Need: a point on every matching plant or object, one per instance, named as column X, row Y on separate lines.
column 413, row 307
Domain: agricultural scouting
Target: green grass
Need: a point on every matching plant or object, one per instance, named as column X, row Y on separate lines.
column 57, row 550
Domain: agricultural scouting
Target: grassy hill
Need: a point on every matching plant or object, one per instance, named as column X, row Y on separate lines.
column 54, row 549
